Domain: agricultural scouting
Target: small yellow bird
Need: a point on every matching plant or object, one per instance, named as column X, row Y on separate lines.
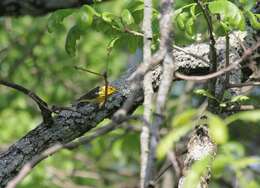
column 97, row 95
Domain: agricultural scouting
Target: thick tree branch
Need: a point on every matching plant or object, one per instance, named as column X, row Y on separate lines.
column 27, row 168
column 67, row 126
column 227, row 69
column 37, row 7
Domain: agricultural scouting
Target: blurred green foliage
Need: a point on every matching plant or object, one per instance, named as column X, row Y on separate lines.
column 40, row 54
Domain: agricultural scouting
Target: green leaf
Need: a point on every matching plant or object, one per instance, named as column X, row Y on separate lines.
column 225, row 26
column 223, row 104
column 87, row 14
column 177, row 12
column 112, row 43
column 242, row 1
column 257, row 15
column 85, row 20
column 239, row 98
column 251, row 116
column 184, row 118
column 205, row 93
column 234, row 149
column 248, row 4
column 198, row 169
column 56, row 19
column 117, row 24
column 137, row 5
column 71, row 40
column 218, row 129
column 127, row 17
column 168, row 141
column 193, row 11
column 181, row 20
column 253, row 20
column 133, row 42
column 90, row 10
column 229, row 13
column 220, row 163
column 190, row 26
column 253, row 184
column 244, row 162
column 107, row 16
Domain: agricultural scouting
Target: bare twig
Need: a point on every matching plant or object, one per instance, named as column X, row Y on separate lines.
column 143, row 68
column 244, row 84
column 43, row 106
column 174, row 161
column 89, row 71
column 212, row 52
column 227, row 58
column 161, row 173
column 104, row 76
column 135, row 33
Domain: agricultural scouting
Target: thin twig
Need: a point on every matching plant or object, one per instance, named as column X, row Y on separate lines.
column 161, row 173
column 89, row 71
column 104, row 76
column 243, row 84
column 135, row 33
column 227, row 58
column 212, row 52
column 43, row 106
column 175, row 163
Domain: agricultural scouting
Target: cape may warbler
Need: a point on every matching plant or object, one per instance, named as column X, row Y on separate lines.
column 97, row 95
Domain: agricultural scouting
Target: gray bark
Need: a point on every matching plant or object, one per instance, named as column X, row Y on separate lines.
column 37, row 7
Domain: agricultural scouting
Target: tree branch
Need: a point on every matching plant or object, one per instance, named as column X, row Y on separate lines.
column 37, row 7
column 166, row 42
column 26, row 169
column 145, row 174
column 43, row 106
column 232, row 66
